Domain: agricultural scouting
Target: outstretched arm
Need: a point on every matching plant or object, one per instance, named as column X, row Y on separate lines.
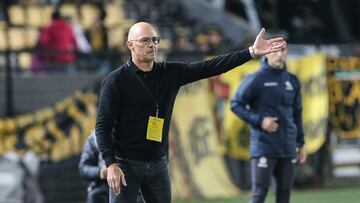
column 190, row 72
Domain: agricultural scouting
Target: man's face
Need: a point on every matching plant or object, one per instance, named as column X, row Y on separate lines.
column 277, row 59
column 144, row 44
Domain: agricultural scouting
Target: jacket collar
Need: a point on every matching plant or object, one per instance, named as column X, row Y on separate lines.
column 135, row 70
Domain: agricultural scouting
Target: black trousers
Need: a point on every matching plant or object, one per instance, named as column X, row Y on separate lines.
column 151, row 177
column 263, row 170
column 98, row 195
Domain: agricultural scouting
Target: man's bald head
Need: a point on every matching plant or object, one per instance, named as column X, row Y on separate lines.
column 143, row 42
column 141, row 29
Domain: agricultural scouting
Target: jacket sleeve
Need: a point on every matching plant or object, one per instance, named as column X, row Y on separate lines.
column 44, row 37
column 108, row 109
column 89, row 161
column 298, row 116
column 241, row 102
column 191, row 72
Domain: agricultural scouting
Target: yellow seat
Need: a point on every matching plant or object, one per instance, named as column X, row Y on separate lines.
column 165, row 44
column 69, row 10
column 17, row 15
column 24, row 60
column 34, row 16
column 31, row 37
column 16, row 39
column 3, row 24
column 126, row 24
column 114, row 15
column 88, row 13
column 47, row 10
column 116, row 37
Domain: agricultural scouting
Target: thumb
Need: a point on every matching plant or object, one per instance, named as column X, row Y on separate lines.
column 274, row 118
column 123, row 181
column 261, row 33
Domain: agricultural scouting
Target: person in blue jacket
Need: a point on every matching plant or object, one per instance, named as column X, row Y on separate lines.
column 92, row 168
column 270, row 101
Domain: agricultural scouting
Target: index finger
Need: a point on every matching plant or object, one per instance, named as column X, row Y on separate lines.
column 276, row 40
column 117, row 188
column 123, row 181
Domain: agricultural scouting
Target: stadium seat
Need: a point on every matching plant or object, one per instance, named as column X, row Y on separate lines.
column 114, row 15
column 69, row 10
column 24, row 60
column 31, row 37
column 46, row 13
column 16, row 39
column 116, row 37
column 17, row 15
column 88, row 13
column 34, row 16
column 165, row 44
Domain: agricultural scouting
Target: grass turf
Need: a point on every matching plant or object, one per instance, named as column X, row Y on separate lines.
column 333, row 195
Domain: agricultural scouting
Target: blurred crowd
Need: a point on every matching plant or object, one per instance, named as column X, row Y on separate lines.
column 185, row 33
column 65, row 44
column 66, row 36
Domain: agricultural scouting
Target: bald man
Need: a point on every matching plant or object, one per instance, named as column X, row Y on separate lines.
column 135, row 108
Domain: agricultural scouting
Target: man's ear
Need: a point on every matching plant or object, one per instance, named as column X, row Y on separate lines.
column 129, row 44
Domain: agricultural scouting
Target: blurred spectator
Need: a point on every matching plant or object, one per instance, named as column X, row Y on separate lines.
column 83, row 46
column 215, row 40
column 18, row 178
column 98, row 38
column 201, row 42
column 221, row 92
column 30, row 163
column 59, row 44
column 92, row 168
column 97, row 35
column 37, row 61
column 81, row 41
column 167, row 15
column 182, row 42
column 11, row 178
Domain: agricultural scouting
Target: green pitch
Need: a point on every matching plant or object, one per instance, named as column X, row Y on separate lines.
column 334, row 195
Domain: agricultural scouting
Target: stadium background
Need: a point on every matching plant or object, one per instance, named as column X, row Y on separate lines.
column 46, row 117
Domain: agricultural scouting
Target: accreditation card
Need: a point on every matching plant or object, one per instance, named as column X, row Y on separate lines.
column 155, row 128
